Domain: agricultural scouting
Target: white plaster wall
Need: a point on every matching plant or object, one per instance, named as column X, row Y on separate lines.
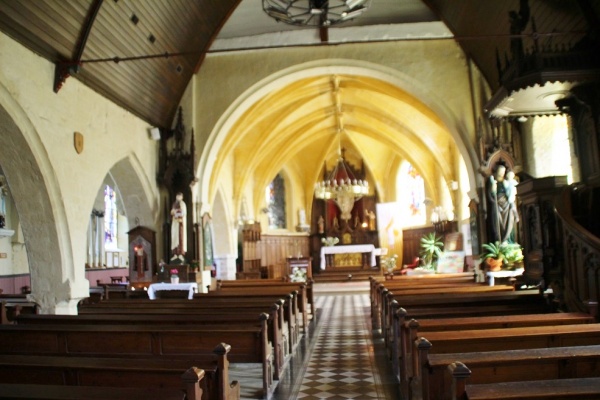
column 110, row 134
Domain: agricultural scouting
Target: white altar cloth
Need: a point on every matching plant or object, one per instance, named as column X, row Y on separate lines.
column 355, row 248
column 191, row 287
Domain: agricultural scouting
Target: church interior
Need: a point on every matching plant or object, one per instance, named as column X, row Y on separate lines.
column 395, row 176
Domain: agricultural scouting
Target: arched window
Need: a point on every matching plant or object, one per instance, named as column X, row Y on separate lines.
column 110, row 218
column 552, row 149
column 275, row 199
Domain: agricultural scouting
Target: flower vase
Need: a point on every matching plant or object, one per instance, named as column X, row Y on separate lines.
column 174, row 279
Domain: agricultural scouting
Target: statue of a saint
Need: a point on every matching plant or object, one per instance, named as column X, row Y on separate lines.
column 178, row 228
column 502, row 214
column 372, row 218
column 321, row 224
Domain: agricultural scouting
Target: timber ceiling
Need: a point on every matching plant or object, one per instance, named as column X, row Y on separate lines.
column 141, row 54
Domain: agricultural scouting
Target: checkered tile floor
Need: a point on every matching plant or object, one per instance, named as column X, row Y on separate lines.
column 337, row 358
column 345, row 358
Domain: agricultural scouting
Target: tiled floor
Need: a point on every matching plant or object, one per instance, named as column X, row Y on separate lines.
column 339, row 358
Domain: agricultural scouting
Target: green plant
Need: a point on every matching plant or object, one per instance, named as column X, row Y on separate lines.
column 431, row 249
column 509, row 253
column 492, row 250
column 513, row 253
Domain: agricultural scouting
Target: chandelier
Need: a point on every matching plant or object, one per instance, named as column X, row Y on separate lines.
column 315, row 12
column 342, row 187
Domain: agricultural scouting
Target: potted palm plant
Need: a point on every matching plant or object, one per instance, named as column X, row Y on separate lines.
column 431, row 249
column 493, row 255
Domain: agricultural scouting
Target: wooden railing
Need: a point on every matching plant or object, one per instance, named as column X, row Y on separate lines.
column 581, row 257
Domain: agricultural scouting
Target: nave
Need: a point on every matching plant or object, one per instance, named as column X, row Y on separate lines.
column 339, row 358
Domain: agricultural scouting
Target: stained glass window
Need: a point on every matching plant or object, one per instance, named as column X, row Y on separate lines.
column 275, row 198
column 110, row 218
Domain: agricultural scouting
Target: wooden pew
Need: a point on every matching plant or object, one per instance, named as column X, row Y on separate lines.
column 376, row 286
column 254, row 283
column 299, row 292
column 31, row 391
column 501, row 340
column 249, row 343
column 169, row 316
column 574, row 388
column 292, row 312
column 287, row 323
column 406, row 332
column 442, row 298
column 124, row 373
column 455, row 305
column 509, row 366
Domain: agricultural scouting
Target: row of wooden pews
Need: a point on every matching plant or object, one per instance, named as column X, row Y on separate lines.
column 132, row 342
column 449, row 338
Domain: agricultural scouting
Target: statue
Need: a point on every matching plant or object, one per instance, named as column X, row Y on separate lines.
column 178, row 228
column 372, row 218
column 502, row 213
column 302, row 225
column 321, row 224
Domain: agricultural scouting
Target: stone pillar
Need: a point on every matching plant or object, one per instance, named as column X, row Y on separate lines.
column 90, row 240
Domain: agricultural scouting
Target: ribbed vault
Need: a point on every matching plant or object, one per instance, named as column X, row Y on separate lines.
column 303, row 125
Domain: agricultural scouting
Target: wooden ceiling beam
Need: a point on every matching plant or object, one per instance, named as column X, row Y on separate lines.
column 65, row 69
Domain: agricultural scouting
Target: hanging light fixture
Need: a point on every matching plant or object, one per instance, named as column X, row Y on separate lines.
column 342, row 187
column 315, row 12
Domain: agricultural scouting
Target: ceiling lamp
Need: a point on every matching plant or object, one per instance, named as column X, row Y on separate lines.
column 315, row 12
column 342, row 187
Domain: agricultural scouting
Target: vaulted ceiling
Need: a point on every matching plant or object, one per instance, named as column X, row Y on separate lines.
column 142, row 54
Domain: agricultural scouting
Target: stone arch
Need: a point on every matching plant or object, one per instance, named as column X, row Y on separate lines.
column 56, row 284
column 136, row 192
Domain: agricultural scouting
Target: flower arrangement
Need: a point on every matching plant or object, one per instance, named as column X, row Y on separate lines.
column 389, row 263
column 298, row 275
column 330, row 241
column 174, row 275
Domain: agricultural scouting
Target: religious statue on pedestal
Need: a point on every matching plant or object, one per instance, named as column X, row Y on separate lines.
column 503, row 212
column 178, row 228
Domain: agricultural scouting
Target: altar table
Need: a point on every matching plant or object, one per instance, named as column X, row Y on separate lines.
column 191, row 287
column 355, row 248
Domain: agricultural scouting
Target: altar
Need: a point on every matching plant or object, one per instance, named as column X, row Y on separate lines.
column 367, row 251
column 191, row 287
